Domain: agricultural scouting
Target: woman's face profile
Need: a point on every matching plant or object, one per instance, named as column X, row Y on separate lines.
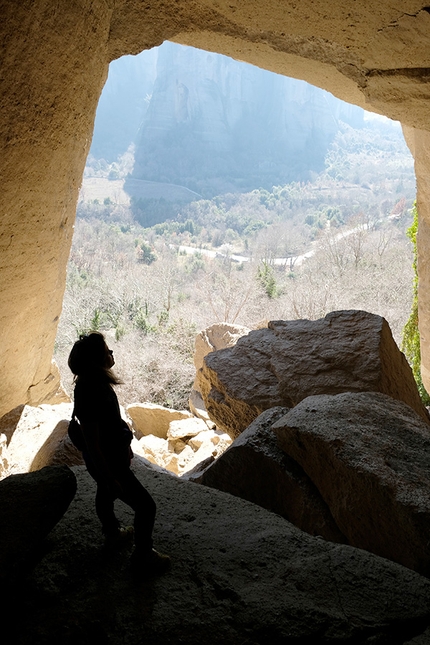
column 110, row 361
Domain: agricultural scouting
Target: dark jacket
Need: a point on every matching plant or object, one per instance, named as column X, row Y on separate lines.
column 107, row 437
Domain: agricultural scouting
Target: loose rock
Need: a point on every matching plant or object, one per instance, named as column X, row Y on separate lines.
column 149, row 418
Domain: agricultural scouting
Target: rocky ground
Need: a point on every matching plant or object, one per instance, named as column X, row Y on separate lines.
column 240, row 575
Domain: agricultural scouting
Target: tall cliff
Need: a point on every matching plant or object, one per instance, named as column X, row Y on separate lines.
column 214, row 124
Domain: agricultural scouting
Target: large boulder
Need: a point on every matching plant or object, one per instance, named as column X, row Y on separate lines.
column 240, row 574
column 217, row 336
column 256, row 469
column 347, row 351
column 34, row 437
column 57, row 449
column 31, row 504
column 369, row 457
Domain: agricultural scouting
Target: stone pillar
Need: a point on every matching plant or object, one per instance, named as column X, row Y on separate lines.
column 419, row 144
column 53, row 67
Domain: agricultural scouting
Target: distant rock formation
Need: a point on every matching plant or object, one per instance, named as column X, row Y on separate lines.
column 347, row 351
column 214, row 124
column 123, row 104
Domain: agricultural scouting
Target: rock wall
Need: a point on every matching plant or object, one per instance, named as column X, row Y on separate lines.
column 54, row 58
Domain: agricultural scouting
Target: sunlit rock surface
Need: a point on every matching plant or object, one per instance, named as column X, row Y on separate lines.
column 150, row 418
column 217, row 336
column 347, row 351
column 35, row 437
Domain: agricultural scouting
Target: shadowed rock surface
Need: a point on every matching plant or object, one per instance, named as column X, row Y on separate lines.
column 369, row 457
column 254, row 468
column 240, row 574
column 347, row 351
column 31, row 504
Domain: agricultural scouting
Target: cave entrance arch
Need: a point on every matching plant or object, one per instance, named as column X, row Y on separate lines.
column 55, row 57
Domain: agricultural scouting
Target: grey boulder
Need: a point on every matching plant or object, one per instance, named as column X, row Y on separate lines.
column 347, row 351
column 256, row 469
column 369, row 457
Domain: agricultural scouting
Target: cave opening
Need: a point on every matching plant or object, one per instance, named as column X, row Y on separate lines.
column 165, row 247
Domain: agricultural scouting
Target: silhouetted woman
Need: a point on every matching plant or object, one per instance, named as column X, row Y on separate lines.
column 106, row 450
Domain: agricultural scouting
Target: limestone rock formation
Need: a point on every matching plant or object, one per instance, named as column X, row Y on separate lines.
column 34, row 437
column 369, row 457
column 150, row 418
column 57, row 449
column 188, row 443
column 347, row 351
column 256, row 469
column 239, row 574
column 31, row 504
column 183, row 428
column 211, row 126
column 217, row 336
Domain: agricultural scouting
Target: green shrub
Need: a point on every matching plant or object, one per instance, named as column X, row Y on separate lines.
column 411, row 335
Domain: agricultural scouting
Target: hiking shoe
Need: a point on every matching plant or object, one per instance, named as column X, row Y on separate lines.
column 121, row 537
column 152, row 563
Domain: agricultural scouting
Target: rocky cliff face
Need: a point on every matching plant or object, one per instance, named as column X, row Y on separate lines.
column 123, row 104
column 215, row 124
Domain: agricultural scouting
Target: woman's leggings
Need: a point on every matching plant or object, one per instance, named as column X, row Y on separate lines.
column 128, row 489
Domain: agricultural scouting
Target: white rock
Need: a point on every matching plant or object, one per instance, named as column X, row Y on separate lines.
column 27, row 430
column 186, row 428
column 4, row 466
column 222, row 446
column 207, row 436
column 205, row 451
column 186, row 455
column 152, row 448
